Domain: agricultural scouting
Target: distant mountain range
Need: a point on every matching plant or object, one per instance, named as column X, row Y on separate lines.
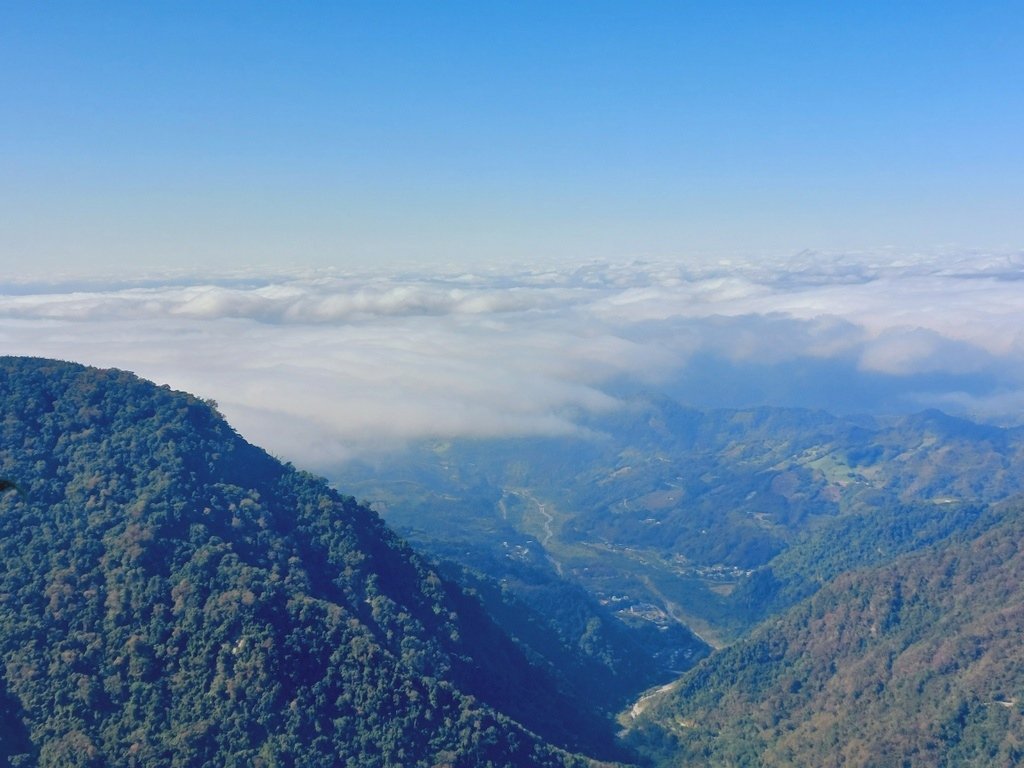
column 715, row 518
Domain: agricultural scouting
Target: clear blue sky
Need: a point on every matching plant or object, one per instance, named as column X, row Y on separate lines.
column 227, row 134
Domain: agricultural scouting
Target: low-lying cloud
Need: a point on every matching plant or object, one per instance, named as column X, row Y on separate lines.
column 318, row 367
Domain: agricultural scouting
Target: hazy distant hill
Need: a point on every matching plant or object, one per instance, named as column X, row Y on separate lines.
column 715, row 518
column 172, row 596
column 917, row 663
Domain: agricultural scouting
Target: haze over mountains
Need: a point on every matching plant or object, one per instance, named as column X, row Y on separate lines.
column 321, row 366
column 627, row 466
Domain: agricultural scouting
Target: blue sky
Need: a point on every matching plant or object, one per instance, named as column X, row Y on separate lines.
column 228, row 135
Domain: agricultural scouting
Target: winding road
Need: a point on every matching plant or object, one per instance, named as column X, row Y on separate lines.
column 547, row 521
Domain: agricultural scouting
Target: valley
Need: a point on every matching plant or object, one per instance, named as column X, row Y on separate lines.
column 701, row 524
column 670, row 515
column 671, row 586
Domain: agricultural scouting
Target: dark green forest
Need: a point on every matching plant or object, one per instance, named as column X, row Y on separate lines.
column 915, row 663
column 173, row 596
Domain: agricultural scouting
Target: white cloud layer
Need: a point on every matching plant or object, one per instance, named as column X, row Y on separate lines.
column 319, row 366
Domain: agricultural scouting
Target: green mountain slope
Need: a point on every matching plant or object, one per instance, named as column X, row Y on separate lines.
column 917, row 663
column 171, row 595
column 874, row 537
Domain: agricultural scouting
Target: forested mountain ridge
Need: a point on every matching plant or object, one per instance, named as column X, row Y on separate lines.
column 172, row 596
column 914, row 663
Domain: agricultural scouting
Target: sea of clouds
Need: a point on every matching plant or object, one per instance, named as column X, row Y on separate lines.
column 320, row 366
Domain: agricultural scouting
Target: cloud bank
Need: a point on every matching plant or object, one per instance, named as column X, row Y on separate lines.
column 321, row 366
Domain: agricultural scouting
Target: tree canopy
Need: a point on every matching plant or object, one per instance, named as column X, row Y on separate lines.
column 173, row 596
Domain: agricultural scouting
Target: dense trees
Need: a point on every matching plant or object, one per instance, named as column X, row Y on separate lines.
column 916, row 663
column 172, row 596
